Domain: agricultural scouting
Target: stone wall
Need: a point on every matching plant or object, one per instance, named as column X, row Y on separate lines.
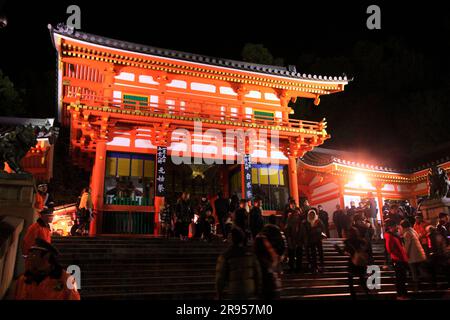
column 16, row 203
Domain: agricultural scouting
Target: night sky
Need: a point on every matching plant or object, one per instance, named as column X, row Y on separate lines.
column 396, row 107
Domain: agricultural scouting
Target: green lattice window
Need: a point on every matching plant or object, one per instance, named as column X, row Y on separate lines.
column 130, row 99
column 263, row 115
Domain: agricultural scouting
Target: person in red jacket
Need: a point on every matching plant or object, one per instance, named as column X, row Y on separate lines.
column 39, row 229
column 395, row 249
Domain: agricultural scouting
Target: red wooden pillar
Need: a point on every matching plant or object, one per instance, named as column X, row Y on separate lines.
column 97, row 186
column 243, row 180
column 293, row 179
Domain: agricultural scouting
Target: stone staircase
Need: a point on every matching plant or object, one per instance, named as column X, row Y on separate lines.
column 155, row 268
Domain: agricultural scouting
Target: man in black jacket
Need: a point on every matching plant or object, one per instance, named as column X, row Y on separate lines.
column 239, row 270
column 222, row 207
column 339, row 220
column 256, row 222
column 240, row 218
column 323, row 216
column 443, row 226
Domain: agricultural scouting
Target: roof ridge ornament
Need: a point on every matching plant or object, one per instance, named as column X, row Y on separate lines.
column 62, row 27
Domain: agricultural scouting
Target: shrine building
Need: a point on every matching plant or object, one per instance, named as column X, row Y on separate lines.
column 150, row 123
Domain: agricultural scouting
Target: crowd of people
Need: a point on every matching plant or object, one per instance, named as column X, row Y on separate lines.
column 411, row 245
column 260, row 249
column 207, row 219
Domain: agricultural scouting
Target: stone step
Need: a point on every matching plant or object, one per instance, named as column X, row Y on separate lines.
column 385, row 295
column 124, row 258
column 343, row 288
column 156, row 268
column 153, row 295
column 118, row 288
column 157, row 273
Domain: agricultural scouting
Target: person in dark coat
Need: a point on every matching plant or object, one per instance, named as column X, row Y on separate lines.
column 269, row 247
column 323, row 216
column 165, row 220
column 210, row 222
column 365, row 231
column 313, row 234
column 256, row 221
column 394, row 214
column 184, row 216
column 234, row 202
column 239, row 270
column 357, row 250
column 339, row 220
column 240, row 218
column 286, row 211
column 438, row 254
column 351, row 212
column 222, row 207
column 294, row 238
column 202, row 208
column 443, row 226
column 371, row 213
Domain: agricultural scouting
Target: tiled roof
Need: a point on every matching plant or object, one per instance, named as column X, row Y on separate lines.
column 290, row 72
column 322, row 157
column 44, row 127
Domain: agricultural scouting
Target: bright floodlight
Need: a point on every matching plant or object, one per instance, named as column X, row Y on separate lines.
column 360, row 179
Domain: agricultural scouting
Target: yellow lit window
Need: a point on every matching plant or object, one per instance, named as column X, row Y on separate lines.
column 111, row 166
column 281, row 177
column 263, row 176
column 123, row 167
column 136, row 167
column 273, row 176
column 254, row 175
column 149, row 168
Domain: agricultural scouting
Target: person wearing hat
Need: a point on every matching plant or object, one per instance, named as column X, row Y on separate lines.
column 44, row 278
column 39, row 229
column 443, row 226
column 398, row 256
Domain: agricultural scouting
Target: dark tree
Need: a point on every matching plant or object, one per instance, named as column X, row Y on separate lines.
column 11, row 103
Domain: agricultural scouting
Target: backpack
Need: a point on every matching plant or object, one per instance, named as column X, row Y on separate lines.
column 360, row 257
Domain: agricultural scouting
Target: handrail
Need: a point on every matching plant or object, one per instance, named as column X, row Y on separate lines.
column 195, row 109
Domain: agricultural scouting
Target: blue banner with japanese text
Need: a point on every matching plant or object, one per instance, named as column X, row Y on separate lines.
column 161, row 160
column 248, row 176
